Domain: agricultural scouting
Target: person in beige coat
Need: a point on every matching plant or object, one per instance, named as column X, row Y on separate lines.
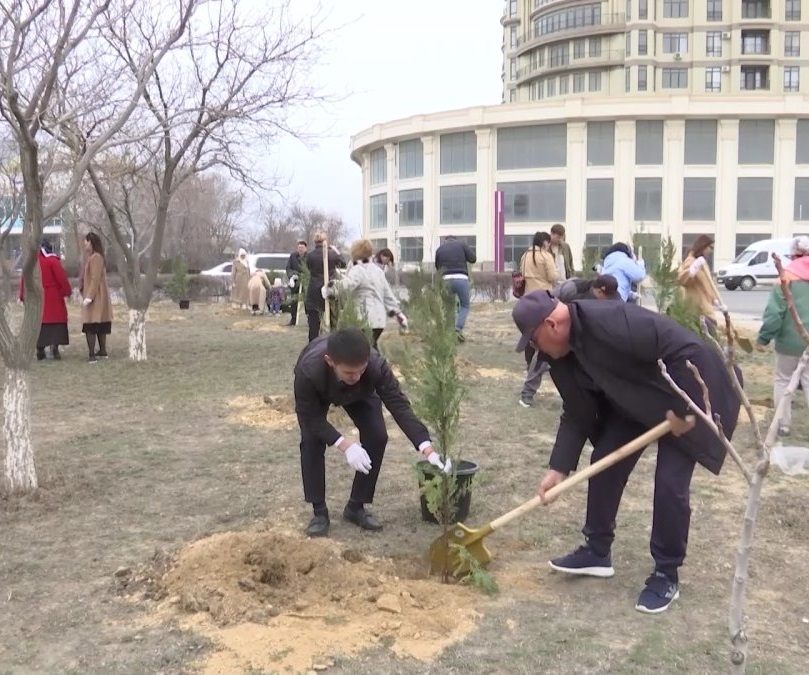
column 240, row 277
column 96, row 311
column 695, row 279
column 538, row 266
column 257, row 289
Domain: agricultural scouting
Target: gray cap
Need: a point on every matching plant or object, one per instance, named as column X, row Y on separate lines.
column 529, row 312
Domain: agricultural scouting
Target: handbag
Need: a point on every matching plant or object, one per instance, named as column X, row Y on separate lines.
column 518, row 282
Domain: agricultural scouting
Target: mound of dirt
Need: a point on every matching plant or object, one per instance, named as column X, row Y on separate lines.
column 269, row 412
column 277, row 601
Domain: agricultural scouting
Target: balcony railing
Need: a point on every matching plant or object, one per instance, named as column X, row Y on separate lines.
column 607, row 58
column 609, row 23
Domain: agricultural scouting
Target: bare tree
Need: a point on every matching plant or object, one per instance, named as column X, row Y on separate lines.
column 755, row 474
column 283, row 227
column 231, row 84
column 56, row 66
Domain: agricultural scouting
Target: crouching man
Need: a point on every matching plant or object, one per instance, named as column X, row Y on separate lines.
column 341, row 369
column 603, row 360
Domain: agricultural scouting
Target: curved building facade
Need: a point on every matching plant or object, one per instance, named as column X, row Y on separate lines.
column 667, row 118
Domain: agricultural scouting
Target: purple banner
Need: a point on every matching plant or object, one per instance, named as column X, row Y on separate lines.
column 499, row 231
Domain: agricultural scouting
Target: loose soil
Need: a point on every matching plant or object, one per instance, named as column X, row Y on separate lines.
column 277, row 601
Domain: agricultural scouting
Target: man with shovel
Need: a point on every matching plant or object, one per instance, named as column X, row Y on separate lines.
column 341, row 369
column 604, row 362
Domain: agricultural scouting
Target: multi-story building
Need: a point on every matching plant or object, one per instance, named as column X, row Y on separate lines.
column 624, row 117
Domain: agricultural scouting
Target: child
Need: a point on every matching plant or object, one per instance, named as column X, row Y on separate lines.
column 277, row 296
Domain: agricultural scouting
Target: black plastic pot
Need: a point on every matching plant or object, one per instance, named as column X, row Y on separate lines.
column 463, row 474
column 185, row 304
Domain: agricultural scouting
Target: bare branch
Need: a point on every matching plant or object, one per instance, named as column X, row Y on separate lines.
column 705, row 417
column 785, row 289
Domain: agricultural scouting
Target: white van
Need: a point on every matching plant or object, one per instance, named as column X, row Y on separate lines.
column 754, row 265
column 269, row 262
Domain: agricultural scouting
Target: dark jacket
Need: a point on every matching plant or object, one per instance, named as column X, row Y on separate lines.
column 314, row 261
column 316, row 388
column 452, row 257
column 296, row 262
column 612, row 369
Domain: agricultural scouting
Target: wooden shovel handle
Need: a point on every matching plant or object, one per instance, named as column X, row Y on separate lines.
column 327, row 310
column 597, row 467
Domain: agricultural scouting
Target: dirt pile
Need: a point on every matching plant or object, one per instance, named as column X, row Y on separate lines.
column 268, row 412
column 277, row 601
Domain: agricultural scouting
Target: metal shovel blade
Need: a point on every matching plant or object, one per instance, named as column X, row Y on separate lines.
column 444, row 552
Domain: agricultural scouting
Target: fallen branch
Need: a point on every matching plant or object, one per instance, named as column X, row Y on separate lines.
column 705, row 417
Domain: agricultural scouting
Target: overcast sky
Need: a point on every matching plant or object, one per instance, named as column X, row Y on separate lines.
column 391, row 59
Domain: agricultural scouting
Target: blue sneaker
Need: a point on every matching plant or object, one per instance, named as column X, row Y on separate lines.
column 583, row 562
column 661, row 590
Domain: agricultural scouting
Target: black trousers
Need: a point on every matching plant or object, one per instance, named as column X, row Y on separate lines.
column 313, row 318
column 367, row 416
column 375, row 334
column 672, row 509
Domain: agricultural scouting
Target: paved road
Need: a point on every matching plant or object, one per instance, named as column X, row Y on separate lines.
column 746, row 305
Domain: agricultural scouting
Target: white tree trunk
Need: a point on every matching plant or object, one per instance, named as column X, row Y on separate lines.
column 21, row 473
column 137, row 334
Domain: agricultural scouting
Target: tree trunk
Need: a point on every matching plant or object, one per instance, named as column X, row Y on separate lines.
column 20, row 470
column 137, row 334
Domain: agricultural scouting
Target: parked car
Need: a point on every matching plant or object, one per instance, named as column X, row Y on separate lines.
column 270, row 262
column 222, row 270
column 754, row 265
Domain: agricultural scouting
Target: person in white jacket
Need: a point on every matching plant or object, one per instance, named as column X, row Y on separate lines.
column 366, row 283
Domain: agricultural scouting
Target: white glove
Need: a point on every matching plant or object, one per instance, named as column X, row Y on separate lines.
column 87, row 301
column 435, row 459
column 402, row 319
column 292, row 281
column 696, row 266
column 324, row 291
column 357, row 458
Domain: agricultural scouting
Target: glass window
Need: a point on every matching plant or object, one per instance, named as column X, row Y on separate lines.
column 643, row 46
column 793, row 10
column 551, row 87
column 411, row 207
column 754, row 77
column 699, row 199
column 568, row 19
column 627, row 79
column 754, row 199
column 688, row 241
column 802, row 199
column 756, row 42
column 713, row 79
column 648, row 198
column 600, row 143
column 595, row 46
column 756, row 9
column 674, row 78
column 411, row 159
column 756, row 141
column 675, row 9
column 744, row 240
column 458, row 204
column 534, row 201
column 595, row 245
column 802, row 145
column 714, row 10
column 594, row 83
column 379, row 166
column 379, row 212
column 579, row 48
column 700, row 142
column 649, row 142
column 513, row 40
column 713, row 43
column 792, row 78
column 643, row 9
column 792, row 43
column 641, row 78
column 599, row 199
column 564, row 84
column 459, row 152
column 674, row 43
column 379, row 244
column 531, row 147
column 411, row 249
column 514, row 246
column 578, row 83
column 628, row 10
column 628, row 48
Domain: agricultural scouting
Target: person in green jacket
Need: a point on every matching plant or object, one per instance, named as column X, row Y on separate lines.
column 779, row 326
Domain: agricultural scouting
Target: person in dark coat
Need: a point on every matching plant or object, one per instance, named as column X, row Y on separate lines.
column 55, row 288
column 341, row 369
column 297, row 259
column 315, row 303
column 603, row 358
column 452, row 260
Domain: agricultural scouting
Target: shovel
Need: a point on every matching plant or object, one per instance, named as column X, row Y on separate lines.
column 443, row 550
column 327, row 304
column 743, row 342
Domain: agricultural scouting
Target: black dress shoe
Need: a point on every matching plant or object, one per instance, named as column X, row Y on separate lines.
column 318, row 526
column 361, row 517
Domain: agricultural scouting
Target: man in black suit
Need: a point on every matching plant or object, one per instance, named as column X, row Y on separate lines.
column 341, row 369
column 295, row 264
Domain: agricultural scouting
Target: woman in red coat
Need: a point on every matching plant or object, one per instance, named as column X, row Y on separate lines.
column 55, row 288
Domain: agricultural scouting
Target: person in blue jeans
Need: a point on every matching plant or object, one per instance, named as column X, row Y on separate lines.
column 452, row 260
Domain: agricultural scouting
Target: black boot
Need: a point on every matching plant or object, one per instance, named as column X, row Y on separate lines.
column 40, row 354
column 55, row 353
